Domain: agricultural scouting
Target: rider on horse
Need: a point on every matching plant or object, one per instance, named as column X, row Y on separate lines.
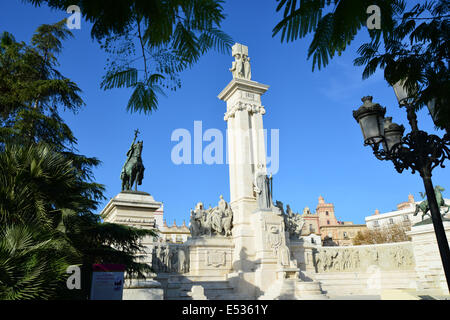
column 133, row 169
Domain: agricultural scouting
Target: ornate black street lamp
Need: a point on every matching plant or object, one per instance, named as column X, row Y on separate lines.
column 418, row 151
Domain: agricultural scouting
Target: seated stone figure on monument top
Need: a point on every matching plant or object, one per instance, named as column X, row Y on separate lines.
column 213, row 221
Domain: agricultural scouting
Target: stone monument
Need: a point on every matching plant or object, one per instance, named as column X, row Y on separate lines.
column 240, row 249
column 251, row 247
column 262, row 262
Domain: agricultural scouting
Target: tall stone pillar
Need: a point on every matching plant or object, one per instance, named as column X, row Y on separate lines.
column 246, row 156
column 262, row 263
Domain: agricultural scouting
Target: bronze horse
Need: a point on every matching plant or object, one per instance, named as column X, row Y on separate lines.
column 133, row 169
column 424, row 207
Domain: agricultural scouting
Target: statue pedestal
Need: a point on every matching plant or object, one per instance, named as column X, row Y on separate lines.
column 270, row 245
column 429, row 270
column 210, row 256
column 134, row 209
column 288, row 273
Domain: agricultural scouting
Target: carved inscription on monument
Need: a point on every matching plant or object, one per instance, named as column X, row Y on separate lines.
column 215, row 258
column 248, row 95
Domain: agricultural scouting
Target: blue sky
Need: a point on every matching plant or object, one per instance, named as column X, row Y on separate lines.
column 321, row 147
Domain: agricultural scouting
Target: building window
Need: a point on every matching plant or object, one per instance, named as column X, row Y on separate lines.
column 405, row 218
column 391, row 221
column 326, row 212
column 328, row 221
column 345, row 235
column 376, row 224
column 311, row 228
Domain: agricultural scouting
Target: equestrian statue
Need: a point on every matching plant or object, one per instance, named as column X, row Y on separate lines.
column 424, row 207
column 133, row 169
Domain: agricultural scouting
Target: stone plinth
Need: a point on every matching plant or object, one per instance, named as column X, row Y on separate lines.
column 134, row 208
column 210, row 256
column 303, row 252
column 270, row 239
column 429, row 270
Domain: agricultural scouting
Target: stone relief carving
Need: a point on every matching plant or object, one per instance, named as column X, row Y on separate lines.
column 215, row 258
column 274, row 237
column 166, row 258
column 283, row 255
column 275, row 240
column 241, row 106
column 391, row 257
column 401, row 256
column 213, row 221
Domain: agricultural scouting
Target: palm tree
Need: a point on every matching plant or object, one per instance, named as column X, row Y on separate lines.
column 46, row 225
column 35, row 183
column 32, row 264
column 47, row 191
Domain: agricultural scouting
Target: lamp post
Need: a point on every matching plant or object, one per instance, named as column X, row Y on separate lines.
column 417, row 151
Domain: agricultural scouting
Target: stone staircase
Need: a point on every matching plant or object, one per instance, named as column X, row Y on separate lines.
column 294, row 289
column 310, row 291
column 351, row 283
column 215, row 288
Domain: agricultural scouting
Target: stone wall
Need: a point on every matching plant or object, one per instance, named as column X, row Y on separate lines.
column 168, row 257
column 366, row 269
column 372, row 282
column 351, row 270
column 387, row 256
column 370, row 269
column 428, row 265
column 210, row 263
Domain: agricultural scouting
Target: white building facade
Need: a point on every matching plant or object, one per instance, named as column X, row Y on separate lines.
column 404, row 215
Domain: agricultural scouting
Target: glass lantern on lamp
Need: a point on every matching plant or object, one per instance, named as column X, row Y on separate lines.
column 393, row 134
column 370, row 117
